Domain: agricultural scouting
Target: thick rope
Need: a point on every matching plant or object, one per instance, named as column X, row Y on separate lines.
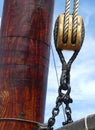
column 66, row 21
column 75, row 20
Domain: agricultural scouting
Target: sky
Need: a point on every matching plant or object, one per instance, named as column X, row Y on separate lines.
column 83, row 69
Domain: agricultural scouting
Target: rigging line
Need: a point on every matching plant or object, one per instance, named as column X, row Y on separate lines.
column 75, row 20
column 66, row 20
column 63, row 108
column 57, row 78
column 55, row 65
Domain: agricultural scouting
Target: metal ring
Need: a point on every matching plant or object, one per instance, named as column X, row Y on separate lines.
column 37, row 124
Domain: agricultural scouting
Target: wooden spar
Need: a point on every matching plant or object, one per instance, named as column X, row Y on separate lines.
column 24, row 59
column 83, row 124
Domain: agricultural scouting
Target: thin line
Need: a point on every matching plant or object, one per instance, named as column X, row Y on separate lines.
column 57, row 79
column 55, row 65
column 64, row 112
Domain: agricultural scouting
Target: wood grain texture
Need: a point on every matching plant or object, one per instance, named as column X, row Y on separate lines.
column 24, row 59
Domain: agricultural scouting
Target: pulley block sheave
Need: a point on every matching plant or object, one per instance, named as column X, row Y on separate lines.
column 69, row 31
column 59, row 33
column 68, row 35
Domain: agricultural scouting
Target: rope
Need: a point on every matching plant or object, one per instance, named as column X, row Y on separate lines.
column 66, row 21
column 86, row 124
column 75, row 20
column 64, row 97
column 63, row 108
column 55, row 65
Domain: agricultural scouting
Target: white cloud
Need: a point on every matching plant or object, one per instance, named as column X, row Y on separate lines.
column 87, row 9
column 87, row 12
column 82, row 70
column 83, row 91
column 82, row 82
column 82, row 76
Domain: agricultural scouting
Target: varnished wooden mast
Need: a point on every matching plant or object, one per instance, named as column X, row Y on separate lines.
column 24, row 59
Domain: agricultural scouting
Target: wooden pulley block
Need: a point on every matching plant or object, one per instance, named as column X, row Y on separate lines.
column 59, row 32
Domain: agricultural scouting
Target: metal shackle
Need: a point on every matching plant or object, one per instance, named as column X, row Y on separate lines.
column 59, row 33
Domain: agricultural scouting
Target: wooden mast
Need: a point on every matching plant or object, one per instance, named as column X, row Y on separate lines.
column 24, row 59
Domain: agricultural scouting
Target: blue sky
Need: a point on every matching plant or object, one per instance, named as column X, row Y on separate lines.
column 83, row 69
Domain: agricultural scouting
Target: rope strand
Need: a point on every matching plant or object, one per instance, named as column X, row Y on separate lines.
column 66, row 21
column 75, row 20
